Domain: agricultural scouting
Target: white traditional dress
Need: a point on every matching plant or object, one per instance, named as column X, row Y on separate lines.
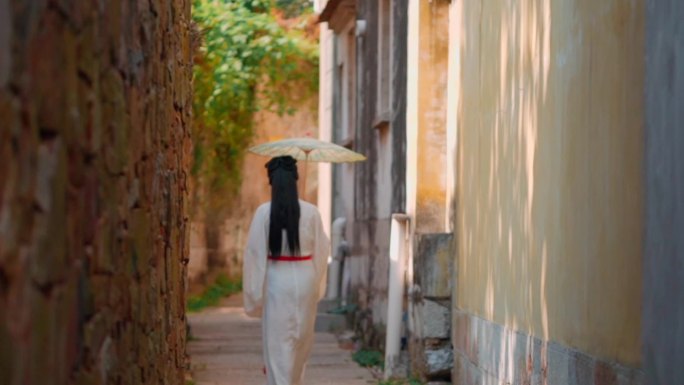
column 286, row 293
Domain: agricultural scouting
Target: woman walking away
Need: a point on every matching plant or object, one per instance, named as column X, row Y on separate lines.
column 284, row 271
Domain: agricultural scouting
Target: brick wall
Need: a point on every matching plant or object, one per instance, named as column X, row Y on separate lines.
column 94, row 139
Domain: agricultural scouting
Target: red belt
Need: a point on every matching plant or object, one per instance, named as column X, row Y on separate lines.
column 290, row 258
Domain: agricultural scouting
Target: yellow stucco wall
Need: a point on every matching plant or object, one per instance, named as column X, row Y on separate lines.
column 549, row 185
column 432, row 93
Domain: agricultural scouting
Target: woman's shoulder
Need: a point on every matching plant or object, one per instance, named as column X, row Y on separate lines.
column 263, row 208
column 309, row 210
column 309, row 207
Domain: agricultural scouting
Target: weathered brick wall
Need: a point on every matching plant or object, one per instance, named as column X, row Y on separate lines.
column 94, row 140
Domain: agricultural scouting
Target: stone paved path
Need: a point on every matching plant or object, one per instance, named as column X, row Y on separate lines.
column 225, row 349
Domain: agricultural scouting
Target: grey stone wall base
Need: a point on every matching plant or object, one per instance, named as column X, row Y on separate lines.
column 433, row 264
column 430, row 310
column 430, row 345
column 431, row 320
column 488, row 353
column 663, row 258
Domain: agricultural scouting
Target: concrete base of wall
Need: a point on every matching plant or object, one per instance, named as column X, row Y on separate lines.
column 488, row 353
column 429, row 343
column 429, row 310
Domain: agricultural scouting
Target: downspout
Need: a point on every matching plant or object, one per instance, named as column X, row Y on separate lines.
column 338, row 252
column 399, row 236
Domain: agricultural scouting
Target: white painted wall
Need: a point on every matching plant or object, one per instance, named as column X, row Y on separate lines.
column 325, row 121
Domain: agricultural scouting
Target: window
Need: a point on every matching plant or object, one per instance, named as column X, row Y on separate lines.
column 344, row 89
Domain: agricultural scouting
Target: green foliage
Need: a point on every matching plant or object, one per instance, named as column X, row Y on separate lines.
column 293, row 8
column 221, row 288
column 346, row 309
column 374, row 358
column 249, row 60
column 368, row 358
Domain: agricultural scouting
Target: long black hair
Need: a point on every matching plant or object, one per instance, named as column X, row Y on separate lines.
column 282, row 175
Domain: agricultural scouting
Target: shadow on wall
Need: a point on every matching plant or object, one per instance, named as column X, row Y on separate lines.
column 549, row 156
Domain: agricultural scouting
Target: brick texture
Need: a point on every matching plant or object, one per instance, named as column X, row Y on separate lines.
column 95, row 116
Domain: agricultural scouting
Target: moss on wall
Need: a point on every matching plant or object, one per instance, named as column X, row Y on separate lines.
column 94, row 137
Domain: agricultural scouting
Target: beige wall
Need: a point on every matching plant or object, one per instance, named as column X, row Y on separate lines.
column 549, row 184
column 255, row 189
column 198, row 261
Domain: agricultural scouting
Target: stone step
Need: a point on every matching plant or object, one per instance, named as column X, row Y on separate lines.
column 325, row 305
column 330, row 323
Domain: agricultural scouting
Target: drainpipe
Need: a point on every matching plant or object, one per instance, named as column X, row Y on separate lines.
column 338, row 249
column 399, row 235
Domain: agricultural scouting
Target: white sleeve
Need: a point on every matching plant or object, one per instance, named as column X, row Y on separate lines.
column 321, row 253
column 254, row 266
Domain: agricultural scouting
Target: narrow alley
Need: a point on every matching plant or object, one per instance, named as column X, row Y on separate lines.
column 445, row 192
column 225, row 346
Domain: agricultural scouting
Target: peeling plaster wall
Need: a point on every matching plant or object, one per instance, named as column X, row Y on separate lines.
column 430, row 184
column 429, row 299
column 95, row 109
column 367, row 193
column 398, row 91
column 550, row 155
column 370, row 231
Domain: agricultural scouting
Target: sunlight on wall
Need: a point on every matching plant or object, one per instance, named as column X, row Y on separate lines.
column 549, row 170
column 427, row 115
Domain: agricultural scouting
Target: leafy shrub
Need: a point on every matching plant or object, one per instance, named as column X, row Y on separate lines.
column 221, row 288
column 368, row 358
column 345, row 309
column 248, row 59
